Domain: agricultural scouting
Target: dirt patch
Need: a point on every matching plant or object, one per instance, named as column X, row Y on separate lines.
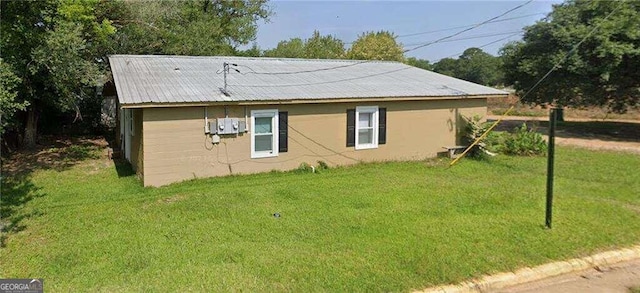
column 58, row 153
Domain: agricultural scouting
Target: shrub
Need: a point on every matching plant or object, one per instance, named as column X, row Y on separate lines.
column 473, row 129
column 494, row 142
column 524, row 142
column 322, row 165
column 304, row 168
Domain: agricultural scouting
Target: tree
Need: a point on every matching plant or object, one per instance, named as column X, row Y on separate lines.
column 480, row 67
column 380, row 45
column 293, row 48
column 447, row 66
column 57, row 48
column 254, row 51
column 323, row 47
column 52, row 45
column 315, row 47
column 9, row 104
column 603, row 70
column 473, row 65
column 176, row 27
column 420, row 63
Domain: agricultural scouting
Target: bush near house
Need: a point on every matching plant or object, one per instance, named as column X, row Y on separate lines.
column 524, row 142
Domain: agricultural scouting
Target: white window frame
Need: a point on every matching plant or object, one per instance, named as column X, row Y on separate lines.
column 373, row 110
column 273, row 114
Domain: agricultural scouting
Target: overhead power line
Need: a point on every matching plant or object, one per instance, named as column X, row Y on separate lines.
column 487, row 44
column 367, row 61
column 302, row 71
column 325, row 82
column 476, row 37
column 459, row 27
column 465, row 26
column 468, row 29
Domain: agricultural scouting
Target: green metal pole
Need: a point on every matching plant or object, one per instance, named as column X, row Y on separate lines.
column 550, row 155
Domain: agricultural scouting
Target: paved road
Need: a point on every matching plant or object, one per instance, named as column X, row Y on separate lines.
column 618, row 278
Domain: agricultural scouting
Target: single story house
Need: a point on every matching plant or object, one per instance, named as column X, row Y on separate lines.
column 184, row 117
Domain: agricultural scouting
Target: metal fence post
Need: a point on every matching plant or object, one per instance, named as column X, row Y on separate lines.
column 550, row 157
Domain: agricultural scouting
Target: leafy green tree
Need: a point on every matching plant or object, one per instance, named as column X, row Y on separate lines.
column 254, row 51
column 603, row 70
column 315, row 47
column 480, row 67
column 57, row 48
column 52, row 46
column 420, row 63
column 293, row 48
column 206, row 27
column 447, row 66
column 9, row 104
column 380, row 45
column 323, row 47
column 473, row 65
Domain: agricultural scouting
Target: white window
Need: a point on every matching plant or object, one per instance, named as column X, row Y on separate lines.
column 264, row 139
column 366, row 127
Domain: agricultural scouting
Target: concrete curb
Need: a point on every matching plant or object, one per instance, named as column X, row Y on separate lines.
column 526, row 275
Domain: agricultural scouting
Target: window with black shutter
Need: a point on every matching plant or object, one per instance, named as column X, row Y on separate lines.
column 366, row 127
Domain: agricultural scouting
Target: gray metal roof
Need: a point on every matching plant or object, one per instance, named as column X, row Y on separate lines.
column 156, row 79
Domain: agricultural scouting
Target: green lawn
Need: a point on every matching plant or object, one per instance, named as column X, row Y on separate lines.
column 371, row 227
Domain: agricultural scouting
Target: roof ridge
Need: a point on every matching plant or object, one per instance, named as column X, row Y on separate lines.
column 254, row 58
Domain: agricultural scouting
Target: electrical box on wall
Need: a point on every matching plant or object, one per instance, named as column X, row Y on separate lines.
column 227, row 126
column 242, row 126
column 213, row 127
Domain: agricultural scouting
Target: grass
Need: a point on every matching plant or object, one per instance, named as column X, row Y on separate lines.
column 634, row 290
column 371, row 227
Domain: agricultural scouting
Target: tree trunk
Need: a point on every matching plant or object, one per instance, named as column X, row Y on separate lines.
column 31, row 128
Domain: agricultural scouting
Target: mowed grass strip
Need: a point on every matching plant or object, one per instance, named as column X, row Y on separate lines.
column 372, row 227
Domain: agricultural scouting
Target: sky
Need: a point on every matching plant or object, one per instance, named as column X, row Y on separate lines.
column 348, row 19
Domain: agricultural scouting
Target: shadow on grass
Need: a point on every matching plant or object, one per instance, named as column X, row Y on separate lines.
column 17, row 191
column 604, row 130
column 123, row 168
column 18, row 188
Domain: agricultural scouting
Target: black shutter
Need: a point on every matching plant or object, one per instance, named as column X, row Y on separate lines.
column 283, row 132
column 351, row 127
column 382, row 125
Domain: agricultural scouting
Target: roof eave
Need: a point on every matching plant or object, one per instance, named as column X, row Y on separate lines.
column 310, row 101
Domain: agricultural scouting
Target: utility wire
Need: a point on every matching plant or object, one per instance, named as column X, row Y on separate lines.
column 468, row 29
column 324, row 82
column 481, row 36
column 484, row 45
column 304, row 71
column 367, row 61
column 555, row 66
column 464, row 26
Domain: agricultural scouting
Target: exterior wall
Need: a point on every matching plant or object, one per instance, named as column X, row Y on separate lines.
column 176, row 148
column 137, row 143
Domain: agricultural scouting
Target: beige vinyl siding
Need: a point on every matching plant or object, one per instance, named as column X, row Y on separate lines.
column 176, row 148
